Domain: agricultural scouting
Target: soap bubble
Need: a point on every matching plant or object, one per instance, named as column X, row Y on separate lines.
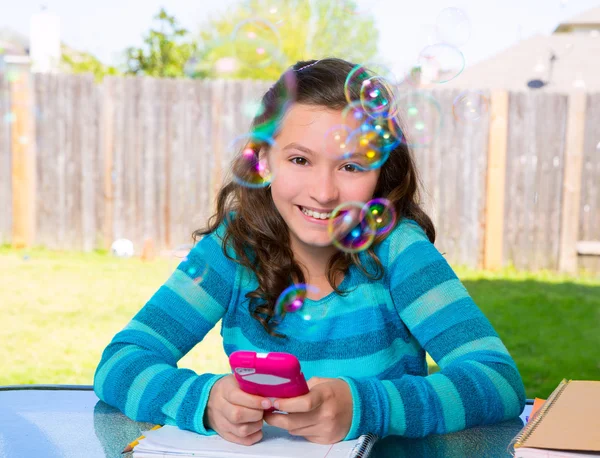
column 251, row 169
column 375, row 92
column 122, row 248
column 350, row 229
column 440, row 63
column 366, row 147
column 292, row 299
column 453, row 26
column 383, row 213
column 470, row 106
column 197, row 270
column 423, row 119
column 335, row 142
column 256, row 42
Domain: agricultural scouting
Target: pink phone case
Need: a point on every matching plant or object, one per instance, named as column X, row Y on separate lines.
column 273, row 375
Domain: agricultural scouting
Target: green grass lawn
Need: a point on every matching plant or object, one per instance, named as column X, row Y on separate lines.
column 59, row 310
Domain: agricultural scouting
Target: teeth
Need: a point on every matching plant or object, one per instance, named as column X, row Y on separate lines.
column 315, row 214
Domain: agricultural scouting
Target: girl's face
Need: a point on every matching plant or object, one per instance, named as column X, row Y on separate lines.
column 310, row 178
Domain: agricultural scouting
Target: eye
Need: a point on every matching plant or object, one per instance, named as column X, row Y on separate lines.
column 298, row 160
column 353, row 168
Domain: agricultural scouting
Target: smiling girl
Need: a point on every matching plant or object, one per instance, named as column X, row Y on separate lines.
column 376, row 312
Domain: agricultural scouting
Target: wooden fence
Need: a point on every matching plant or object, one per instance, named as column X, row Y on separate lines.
column 82, row 164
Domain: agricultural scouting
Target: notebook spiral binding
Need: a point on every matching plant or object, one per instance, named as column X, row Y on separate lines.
column 364, row 446
column 529, row 428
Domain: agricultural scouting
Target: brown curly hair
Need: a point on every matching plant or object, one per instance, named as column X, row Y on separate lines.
column 258, row 234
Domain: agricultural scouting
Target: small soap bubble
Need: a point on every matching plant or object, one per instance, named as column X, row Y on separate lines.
column 470, row 106
column 383, row 213
column 122, row 248
column 335, row 142
column 251, row 167
column 366, row 148
column 180, row 258
column 256, row 42
column 423, row 119
column 9, row 118
column 377, row 98
column 453, row 26
column 440, row 63
column 269, row 117
column 292, row 300
column 350, row 229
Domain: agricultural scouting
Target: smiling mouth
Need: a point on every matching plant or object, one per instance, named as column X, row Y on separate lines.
column 314, row 214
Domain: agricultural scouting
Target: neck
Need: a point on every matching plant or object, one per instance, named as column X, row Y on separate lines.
column 313, row 259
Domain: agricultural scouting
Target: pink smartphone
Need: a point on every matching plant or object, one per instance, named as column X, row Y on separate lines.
column 272, row 375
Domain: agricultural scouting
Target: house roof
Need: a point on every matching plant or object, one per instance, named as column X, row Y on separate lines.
column 589, row 17
column 13, row 42
column 577, row 61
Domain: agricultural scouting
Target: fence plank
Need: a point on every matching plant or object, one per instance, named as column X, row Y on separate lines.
column 496, row 181
column 589, row 211
column 6, row 119
column 572, row 183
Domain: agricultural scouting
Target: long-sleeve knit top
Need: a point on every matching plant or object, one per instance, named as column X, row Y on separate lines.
column 374, row 338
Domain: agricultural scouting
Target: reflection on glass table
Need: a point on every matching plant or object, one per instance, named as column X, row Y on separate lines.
column 57, row 421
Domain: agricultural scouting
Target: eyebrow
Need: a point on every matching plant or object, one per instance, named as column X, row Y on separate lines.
column 299, row 147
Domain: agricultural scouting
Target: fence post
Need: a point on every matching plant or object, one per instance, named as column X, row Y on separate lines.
column 571, row 189
column 495, row 182
column 23, row 147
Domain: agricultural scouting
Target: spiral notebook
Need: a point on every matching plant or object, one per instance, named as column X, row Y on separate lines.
column 170, row 441
column 567, row 425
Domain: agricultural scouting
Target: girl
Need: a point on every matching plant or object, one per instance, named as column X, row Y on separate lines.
column 376, row 312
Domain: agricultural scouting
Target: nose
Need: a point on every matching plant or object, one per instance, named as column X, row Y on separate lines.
column 323, row 188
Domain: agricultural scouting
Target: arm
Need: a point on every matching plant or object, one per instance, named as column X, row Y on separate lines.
column 478, row 383
column 138, row 371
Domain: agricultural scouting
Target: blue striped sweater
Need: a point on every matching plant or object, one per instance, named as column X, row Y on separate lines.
column 374, row 338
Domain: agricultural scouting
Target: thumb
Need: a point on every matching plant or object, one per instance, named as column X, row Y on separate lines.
column 314, row 381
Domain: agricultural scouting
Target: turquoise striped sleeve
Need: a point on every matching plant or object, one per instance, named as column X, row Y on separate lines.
column 138, row 371
column 478, row 382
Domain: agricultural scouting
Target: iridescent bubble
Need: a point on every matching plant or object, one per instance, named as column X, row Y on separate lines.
column 9, row 118
column 350, row 229
column 453, row 26
column 122, row 248
column 377, row 98
column 470, row 106
column 366, row 148
column 422, row 117
column 256, row 42
column 179, row 255
column 269, row 117
column 292, row 299
column 383, row 213
column 440, row 63
column 251, row 168
column 335, row 142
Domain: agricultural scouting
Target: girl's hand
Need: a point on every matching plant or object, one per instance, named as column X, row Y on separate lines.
column 324, row 415
column 234, row 414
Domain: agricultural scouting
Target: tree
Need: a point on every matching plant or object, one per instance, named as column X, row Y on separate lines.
column 166, row 51
column 259, row 39
column 73, row 61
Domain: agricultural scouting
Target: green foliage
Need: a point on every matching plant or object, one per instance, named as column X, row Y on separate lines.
column 73, row 61
column 166, row 50
column 284, row 32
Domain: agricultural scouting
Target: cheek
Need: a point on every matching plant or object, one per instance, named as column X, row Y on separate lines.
column 361, row 190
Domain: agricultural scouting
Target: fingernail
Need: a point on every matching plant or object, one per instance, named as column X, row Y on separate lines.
column 276, row 404
column 266, row 404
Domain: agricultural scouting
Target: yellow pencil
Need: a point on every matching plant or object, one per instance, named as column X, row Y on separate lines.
column 130, row 446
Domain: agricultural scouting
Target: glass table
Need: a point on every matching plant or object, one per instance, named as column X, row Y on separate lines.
column 58, row 421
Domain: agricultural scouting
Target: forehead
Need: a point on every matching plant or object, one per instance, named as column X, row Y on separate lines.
column 308, row 122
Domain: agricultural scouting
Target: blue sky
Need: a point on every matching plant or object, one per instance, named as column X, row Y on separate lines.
column 106, row 27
